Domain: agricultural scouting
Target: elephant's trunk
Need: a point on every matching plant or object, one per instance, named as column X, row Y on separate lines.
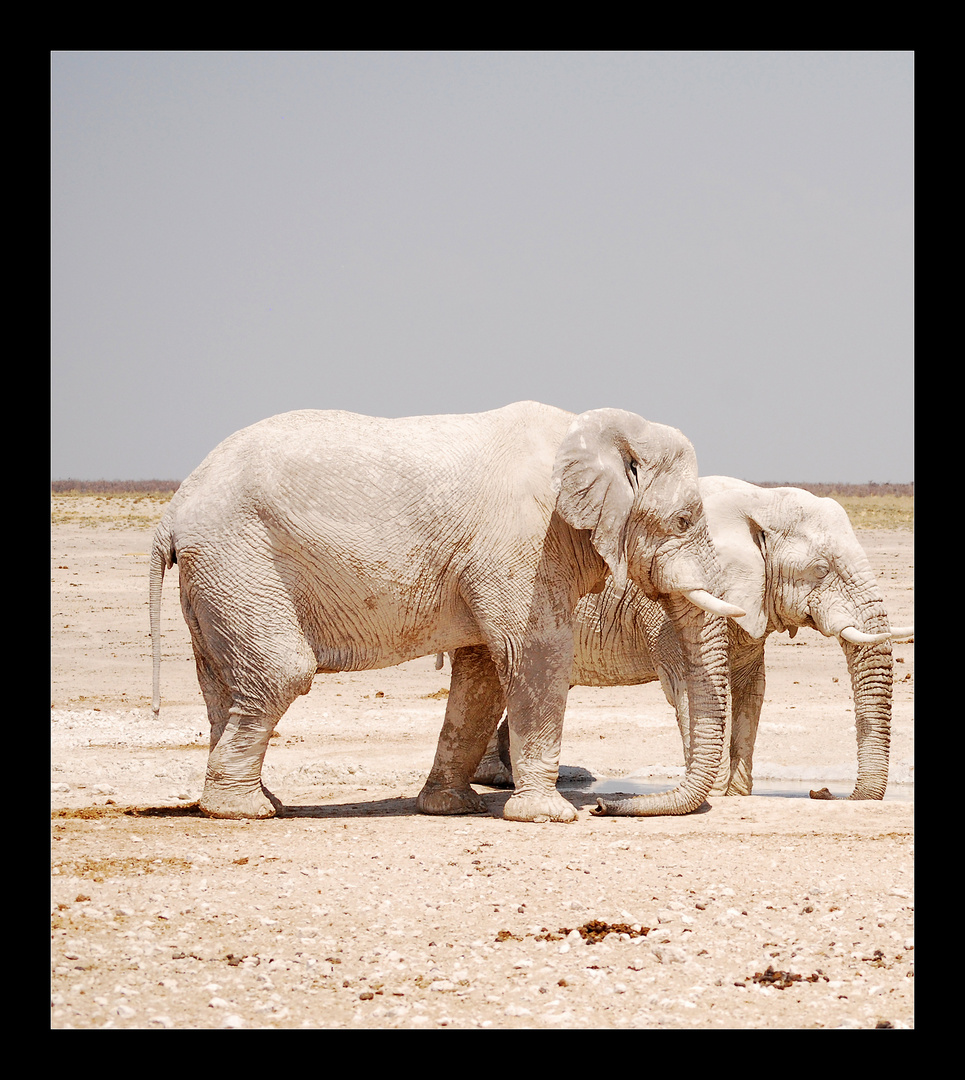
column 868, row 654
column 703, row 639
column 871, row 670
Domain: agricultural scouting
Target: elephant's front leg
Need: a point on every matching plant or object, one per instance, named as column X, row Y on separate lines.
column 535, row 703
column 747, row 699
column 473, row 710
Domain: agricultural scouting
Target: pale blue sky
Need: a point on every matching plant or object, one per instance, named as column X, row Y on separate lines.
column 718, row 241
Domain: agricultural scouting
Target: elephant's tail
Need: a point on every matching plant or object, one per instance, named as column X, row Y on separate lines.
column 162, row 556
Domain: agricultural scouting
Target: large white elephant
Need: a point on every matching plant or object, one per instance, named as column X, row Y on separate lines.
column 790, row 560
column 326, row 541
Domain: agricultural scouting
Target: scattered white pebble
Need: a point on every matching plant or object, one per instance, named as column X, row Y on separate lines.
column 668, row 954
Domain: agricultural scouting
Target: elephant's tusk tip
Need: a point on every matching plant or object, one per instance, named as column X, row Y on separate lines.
column 858, row 637
column 708, row 602
column 902, row 632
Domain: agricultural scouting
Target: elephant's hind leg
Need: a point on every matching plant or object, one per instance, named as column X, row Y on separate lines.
column 495, row 769
column 245, row 702
column 232, row 783
column 472, row 712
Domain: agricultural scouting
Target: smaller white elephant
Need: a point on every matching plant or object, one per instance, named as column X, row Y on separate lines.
column 789, row 559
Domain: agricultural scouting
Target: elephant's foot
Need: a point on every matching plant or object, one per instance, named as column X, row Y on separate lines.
column 493, row 773
column 539, row 807
column 741, row 781
column 220, row 800
column 435, row 799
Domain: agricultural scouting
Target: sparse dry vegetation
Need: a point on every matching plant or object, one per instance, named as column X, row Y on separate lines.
column 869, row 506
column 115, row 511
column 845, row 490
column 111, row 488
column 139, row 504
column 879, row 511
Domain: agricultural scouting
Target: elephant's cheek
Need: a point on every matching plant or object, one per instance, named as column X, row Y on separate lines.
column 640, row 576
column 675, row 572
column 825, row 615
column 645, row 585
column 641, row 567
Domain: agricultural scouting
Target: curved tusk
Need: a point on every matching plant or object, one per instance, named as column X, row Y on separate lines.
column 903, row 631
column 858, row 637
column 703, row 599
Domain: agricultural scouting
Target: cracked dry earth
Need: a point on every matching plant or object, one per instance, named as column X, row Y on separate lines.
column 352, row 910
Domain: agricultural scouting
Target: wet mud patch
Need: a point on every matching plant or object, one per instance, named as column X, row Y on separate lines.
column 101, row 869
column 110, row 810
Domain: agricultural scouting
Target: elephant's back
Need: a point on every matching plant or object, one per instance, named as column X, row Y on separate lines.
column 315, row 456
column 336, row 432
column 335, row 480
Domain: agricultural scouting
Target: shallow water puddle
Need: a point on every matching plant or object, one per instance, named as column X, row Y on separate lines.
column 778, row 789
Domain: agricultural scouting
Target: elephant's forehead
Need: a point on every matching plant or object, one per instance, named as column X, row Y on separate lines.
column 677, row 487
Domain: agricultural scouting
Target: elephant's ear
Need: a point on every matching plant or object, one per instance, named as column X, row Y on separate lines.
column 595, row 478
column 738, row 537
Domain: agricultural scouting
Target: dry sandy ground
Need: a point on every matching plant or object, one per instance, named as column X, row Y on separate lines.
column 353, row 910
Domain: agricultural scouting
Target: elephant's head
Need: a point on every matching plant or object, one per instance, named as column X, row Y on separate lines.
column 633, row 485
column 791, row 559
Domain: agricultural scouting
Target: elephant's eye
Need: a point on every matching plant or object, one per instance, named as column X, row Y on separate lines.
column 682, row 522
column 820, row 570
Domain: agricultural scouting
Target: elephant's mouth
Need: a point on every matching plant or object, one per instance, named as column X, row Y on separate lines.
column 660, row 584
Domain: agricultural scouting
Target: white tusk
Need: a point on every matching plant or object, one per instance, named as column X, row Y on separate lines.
column 858, row 637
column 711, row 603
column 903, row 631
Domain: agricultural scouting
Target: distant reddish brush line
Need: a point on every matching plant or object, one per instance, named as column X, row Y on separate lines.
column 121, row 487
column 112, row 487
column 856, row 490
